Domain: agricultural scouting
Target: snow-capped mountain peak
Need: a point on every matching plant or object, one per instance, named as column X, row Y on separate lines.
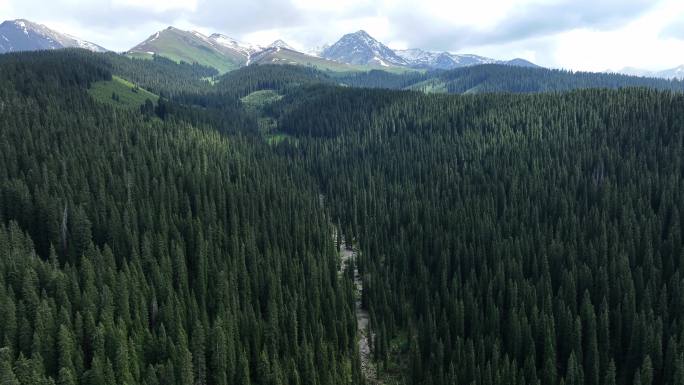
column 361, row 48
column 25, row 35
column 281, row 44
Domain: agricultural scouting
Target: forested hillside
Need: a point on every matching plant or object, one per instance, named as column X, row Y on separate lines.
column 488, row 78
column 135, row 250
column 509, row 239
column 502, row 239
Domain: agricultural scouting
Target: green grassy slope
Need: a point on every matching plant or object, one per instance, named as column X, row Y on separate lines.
column 185, row 46
column 140, row 55
column 121, row 93
column 259, row 99
column 429, row 86
column 268, row 125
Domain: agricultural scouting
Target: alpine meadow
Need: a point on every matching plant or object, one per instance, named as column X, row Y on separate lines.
column 198, row 210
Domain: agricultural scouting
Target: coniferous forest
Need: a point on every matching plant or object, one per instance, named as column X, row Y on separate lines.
column 528, row 233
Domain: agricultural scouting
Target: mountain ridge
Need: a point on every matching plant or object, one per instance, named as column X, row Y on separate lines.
column 362, row 49
column 353, row 51
column 218, row 51
column 24, row 35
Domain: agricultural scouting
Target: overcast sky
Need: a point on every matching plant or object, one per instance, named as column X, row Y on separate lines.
column 575, row 34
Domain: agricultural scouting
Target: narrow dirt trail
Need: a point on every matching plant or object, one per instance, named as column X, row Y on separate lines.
column 362, row 317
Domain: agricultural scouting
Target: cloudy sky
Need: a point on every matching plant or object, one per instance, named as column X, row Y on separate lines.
column 575, row 34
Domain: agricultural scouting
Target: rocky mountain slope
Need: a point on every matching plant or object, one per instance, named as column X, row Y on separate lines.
column 362, row 49
column 23, row 35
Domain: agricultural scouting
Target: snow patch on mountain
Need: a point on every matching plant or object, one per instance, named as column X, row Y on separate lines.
column 419, row 58
column 246, row 49
column 22, row 25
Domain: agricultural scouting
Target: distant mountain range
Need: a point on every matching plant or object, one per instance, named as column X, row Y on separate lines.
column 353, row 52
column 23, row 35
column 362, row 49
column 672, row 73
column 356, row 51
column 225, row 53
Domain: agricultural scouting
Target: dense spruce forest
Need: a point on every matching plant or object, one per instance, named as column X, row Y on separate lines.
column 135, row 250
column 510, row 239
column 503, row 238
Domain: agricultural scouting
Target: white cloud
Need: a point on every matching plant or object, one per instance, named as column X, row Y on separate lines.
column 157, row 5
column 637, row 44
